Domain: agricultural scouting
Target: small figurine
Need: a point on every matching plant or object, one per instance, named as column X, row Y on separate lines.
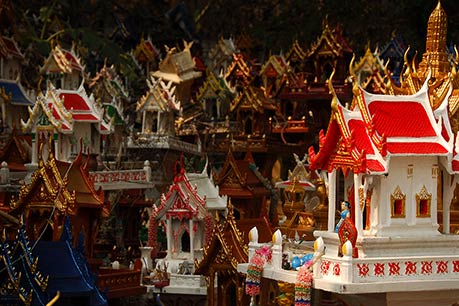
column 345, row 213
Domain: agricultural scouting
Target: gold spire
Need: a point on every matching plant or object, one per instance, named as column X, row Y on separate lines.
column 436, row 43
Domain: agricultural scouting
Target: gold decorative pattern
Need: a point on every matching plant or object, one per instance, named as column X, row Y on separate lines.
column 423, row 201
column 397, row 203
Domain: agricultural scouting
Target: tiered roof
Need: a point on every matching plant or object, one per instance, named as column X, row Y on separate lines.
column 62, row 61
column 178, row 66
column 379, row 128
column 146, row 51
column 9, row 48
column 237, row 179
column 226, row 249
column 182, row 200
column 331, row 42
column 49, row 110
column 160, row 97
column 13, row 92
column 214, row 87
column 252, row 98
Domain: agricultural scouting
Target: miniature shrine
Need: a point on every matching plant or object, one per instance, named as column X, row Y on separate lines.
column 185, row 156
column 186, row 214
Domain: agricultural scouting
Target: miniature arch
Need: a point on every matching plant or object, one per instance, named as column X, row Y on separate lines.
column 423, row 201
column 397, row 203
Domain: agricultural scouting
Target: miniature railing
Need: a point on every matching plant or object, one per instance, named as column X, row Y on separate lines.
column 372, row 270
column 290, row 126
column 110, row 179
column 162, row 142
column 120, row 283
column 114, row 176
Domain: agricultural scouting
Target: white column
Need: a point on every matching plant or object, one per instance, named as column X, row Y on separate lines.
column 169, row 238
column 331, row 200
column 358, row 211
column 58, row 144
column 191, row 240
column 143, row 121
column 35, row 149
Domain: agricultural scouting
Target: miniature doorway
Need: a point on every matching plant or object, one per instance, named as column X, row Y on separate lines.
column 185, row 242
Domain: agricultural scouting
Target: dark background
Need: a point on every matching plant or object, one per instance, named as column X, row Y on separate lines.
column 107, row 29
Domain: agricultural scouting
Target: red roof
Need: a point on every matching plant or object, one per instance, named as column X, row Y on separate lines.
column 401, row 119
column 85, row 117
column 73, row 60
column 362, row 141
column 383, row 125
column 74, row 102
column 416, row 148
column 12, row 47
column 408, row 123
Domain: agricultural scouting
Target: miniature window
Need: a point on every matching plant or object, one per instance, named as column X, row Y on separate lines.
column 398, row 203
column 410, row 171
column 185, row 240
column 434, row 171
column 423, row 200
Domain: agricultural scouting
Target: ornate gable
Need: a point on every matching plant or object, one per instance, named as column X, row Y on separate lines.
column 230, row 175
column 45, row 201
column 252, row 98
column 178, row 66
column 182, row 200
column 17, row 152
column 214, row 87
column 49, row 110
column 275, row 67
column 348, row 145
column 370, row 73
column 108, row 86
column 296, row 53
column 226, row 249
column 146, row 51
column 62, row 61
column 330, row 43
column 238, row 70
column 160, row 97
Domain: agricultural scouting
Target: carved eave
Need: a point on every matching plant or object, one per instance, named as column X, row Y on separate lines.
column 47, row 190
column 53, row 108
column 80, row 181
column 329, row 43
column 182, row 199
column 213, row 87
column 251, row 98
column 277, row 63
column 238, row 68
column 230, row 166
column 63, row 61
column 145, row 51
column 296, row 51
column 160, row 97
column 226, row 247
column 109, row 81
column 351, row 143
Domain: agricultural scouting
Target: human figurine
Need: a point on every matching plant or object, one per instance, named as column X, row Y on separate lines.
column 345, row 213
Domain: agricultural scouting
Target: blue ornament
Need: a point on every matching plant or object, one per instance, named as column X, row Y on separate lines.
column 307, row 258
column 296, row 262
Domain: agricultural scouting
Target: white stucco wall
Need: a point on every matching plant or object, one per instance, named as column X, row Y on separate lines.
column 410, row 185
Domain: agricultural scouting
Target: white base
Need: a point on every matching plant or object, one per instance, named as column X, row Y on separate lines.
column 437, row 298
